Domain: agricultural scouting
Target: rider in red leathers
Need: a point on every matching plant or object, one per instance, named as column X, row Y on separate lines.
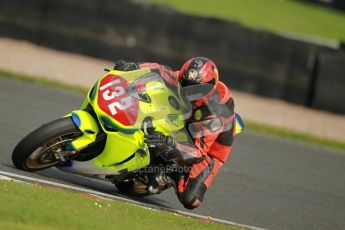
column 213, row 121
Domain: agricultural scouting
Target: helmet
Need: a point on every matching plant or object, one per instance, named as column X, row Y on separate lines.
column 199, row 71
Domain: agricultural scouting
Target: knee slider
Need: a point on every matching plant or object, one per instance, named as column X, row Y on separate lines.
column 189, row 200
column 194, row 191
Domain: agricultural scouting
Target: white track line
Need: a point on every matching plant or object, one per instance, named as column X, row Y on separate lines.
column 108, row 196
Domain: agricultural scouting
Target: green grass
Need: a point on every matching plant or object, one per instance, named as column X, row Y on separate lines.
column 274, row 15
column 25, row 206
column 250, row 125
column 294, row 135
column 40, row 80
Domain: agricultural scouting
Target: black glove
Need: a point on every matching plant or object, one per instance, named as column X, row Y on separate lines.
column 160, row 141
column 123, row 65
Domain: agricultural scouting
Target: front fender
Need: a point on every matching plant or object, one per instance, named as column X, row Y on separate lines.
column 87, row 125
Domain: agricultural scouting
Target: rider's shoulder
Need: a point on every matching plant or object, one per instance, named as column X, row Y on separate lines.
column 223, row 93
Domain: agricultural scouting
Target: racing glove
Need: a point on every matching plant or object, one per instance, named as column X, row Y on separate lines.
column 160, row 141
column 123, row 65
column 167, row 148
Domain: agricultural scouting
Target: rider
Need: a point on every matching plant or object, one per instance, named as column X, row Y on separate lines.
column 213, row 118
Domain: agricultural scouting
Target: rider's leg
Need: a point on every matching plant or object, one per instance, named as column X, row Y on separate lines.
column 191, row 191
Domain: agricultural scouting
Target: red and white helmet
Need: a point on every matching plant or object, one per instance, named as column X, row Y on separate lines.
column 199, row 70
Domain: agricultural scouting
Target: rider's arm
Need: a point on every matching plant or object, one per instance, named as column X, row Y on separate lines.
column 170, row 148
column 212, row 135
column 170, row 76
column 195, row 148
column 219, row 126
column 197, row 145
column 185, row 151
column 166, row 72
column 222, row 145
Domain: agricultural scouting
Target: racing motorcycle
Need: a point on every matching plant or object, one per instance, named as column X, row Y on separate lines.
column 105, row 137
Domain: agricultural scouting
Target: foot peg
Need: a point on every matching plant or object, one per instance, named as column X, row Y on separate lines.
column 158, row 183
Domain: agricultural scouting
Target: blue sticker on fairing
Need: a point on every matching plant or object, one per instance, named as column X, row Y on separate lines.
column 240, row 121
column 76, row 119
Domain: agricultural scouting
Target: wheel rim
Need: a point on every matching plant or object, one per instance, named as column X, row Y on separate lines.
column 45, row 155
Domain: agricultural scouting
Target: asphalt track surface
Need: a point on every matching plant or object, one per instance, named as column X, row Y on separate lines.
column 268, row 182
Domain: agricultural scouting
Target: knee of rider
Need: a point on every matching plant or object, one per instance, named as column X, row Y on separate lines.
column 194, row 193
column 190, row 200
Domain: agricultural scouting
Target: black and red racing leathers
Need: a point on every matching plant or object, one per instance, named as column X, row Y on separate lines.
column 212, row 125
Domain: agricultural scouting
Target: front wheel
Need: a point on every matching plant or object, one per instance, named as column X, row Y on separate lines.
column 40, row 148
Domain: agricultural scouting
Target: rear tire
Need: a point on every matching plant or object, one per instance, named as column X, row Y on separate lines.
column 35, row 151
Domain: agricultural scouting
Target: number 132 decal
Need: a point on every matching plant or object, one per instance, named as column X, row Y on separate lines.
column 114, row 89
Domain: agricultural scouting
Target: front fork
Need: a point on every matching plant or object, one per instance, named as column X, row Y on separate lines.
column 87, row 125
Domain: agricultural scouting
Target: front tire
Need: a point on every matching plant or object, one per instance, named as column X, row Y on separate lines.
column 37, row 150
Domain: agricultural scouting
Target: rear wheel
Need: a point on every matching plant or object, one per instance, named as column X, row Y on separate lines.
column 41, row 148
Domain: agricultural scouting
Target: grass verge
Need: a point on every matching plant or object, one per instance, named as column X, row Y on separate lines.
column 26, row 206
column 40, row 80
column 294, row 135
column 250, row 125
column 274, row 15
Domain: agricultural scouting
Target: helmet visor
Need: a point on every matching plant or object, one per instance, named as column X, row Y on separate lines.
column 196, row 91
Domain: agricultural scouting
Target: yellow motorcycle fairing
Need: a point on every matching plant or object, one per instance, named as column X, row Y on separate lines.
column 87, row 125
column 121, row 101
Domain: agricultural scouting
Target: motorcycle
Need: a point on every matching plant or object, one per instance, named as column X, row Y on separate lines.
column 104, row 139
